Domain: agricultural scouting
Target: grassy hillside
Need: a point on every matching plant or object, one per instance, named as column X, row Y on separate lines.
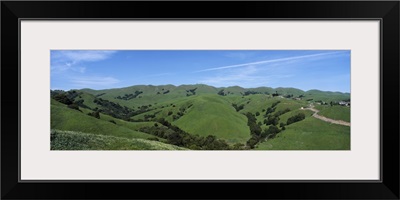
column 69, row 140
column 336, row 112
column 203, row 117
column 150, row 94
column 318, row 95
column 213, row 115
column 63, row 118
column 310, row 134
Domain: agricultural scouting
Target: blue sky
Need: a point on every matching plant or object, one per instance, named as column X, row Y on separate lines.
column 304, row 69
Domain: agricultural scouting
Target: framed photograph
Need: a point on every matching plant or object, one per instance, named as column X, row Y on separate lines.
column 248, row 102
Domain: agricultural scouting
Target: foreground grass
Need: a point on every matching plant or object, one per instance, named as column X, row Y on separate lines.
column 70, row 140
column 310, row 134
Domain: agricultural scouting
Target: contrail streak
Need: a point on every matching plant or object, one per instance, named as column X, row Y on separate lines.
column 267, row 61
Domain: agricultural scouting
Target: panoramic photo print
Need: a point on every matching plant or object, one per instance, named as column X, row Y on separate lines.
column 200, row 99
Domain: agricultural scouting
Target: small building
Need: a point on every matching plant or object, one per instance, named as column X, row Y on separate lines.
column 344, row 103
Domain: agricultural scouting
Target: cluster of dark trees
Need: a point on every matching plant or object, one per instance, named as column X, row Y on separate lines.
column 256, row 132
column 54, row 92
column 63, row 97
column 130, row 96
column 321, row 102
column 191, row 92
column 70, row 94
column 249, row 92
column 80, row 103
column 180, row 113
column 95, row 114
column 255, row 128
column 176, row 136
column 271, row 109
column 275, row 94
column 99, row 95
column 289, row 96
column 281, row 112
column 238, row 108
column 148, row 117
column 272, row 119
column 221, row 92
column 116, row 110
column 296, row 118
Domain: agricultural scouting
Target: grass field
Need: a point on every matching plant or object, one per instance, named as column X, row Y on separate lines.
column 197, row 110
column 336, row 112
column 310, row 134
column 70, row 140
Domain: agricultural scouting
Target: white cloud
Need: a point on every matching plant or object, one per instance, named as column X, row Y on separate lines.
column 62, row 60
column 240, row 76
column 247, row 76
column 93, row 82
column 84, row 55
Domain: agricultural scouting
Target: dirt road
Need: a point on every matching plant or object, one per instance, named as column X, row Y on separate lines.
column 340, row 122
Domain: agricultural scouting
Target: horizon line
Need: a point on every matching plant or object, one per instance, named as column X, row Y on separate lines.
column 201, row 84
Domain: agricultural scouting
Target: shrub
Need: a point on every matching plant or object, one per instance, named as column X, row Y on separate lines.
column 296, row 118
column 95, row 114
column 74, row 106
column 62, row 98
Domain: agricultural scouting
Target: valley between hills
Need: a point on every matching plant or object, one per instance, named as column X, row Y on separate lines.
column 199, row 117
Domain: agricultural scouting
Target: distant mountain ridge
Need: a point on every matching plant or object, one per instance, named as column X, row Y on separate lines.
column 211, row 89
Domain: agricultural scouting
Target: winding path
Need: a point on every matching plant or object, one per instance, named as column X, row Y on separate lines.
column 340, row 122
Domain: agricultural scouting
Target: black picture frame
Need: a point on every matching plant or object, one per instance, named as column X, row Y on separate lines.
column 386, row 11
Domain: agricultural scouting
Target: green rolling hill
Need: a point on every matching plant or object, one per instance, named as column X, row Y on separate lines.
column 168, row 117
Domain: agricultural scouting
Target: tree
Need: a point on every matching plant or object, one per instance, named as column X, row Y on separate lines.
column 296, row 118
column 257, row 113
column 252, row 142
column 73, row 106
column 62, row 98
column 238, row 146
column 95, row 114
column 272, row 130
column 274, row 120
